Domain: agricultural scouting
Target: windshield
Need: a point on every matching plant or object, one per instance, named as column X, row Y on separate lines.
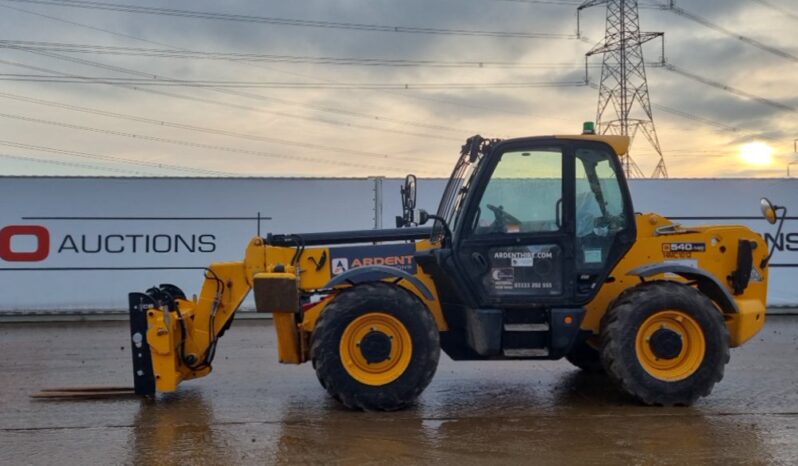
column 454, row 195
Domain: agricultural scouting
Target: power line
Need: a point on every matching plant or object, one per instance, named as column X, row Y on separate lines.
column 271, row 58
column 673, row 111
column 150, row 41
column 676, row 10
column 249, row 95
column 204, row 130
column 714, row 123
column 695, row 151
column 237, row 106
column 293, row 22
column 403, row 29
column 729, row 89
column 777, row 8
column 187, row 143
column 753, row 42
column 276, row 84
column 81, row 61
column 542, row 2
column 671, row 7
column 127, row 172
column 109, row 158
column 155, row 80
column 197, row 145
column 694, row 117
column 405, row 95
column 336, row 110
column 569, row 3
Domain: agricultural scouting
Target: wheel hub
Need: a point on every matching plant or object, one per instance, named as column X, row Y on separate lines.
column 670, row 345
column 666, row 344
column 375, row 347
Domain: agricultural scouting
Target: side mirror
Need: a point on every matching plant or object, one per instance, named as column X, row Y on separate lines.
column 768, row 210
column 771, row 214
column 409, row 193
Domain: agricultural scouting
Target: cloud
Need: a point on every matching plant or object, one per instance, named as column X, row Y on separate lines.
column 420, row 125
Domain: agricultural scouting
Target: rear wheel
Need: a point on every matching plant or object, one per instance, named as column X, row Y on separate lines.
column 664, row 343
column 375, row 347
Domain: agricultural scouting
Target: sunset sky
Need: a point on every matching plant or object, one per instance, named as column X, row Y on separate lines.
column 130, row 127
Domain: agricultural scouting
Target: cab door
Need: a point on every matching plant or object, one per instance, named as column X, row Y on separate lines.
column 521, row 241
column 515, row 244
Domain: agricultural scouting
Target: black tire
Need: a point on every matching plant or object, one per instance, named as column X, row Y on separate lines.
column 619, row 353
column 584, row 356
column 356, row 302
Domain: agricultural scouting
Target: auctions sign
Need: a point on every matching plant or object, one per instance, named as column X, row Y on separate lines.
column 44, row 244
column 38, row 243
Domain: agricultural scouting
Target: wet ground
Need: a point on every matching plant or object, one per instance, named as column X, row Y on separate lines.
column 252, row 410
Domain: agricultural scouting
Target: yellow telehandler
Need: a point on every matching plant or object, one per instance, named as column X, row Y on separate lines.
column 535, row 252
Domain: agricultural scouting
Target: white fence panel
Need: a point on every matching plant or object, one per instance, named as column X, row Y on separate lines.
column 108, row 236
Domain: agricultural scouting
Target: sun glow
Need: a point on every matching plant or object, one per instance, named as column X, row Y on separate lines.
column 756, row 153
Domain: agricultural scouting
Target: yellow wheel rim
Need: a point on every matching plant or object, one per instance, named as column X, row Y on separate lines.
column 686, row 360
column 391, row 364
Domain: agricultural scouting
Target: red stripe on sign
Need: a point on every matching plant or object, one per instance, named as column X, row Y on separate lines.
column 42, row 247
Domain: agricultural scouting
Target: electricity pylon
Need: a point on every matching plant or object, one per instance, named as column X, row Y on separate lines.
column 624, row 106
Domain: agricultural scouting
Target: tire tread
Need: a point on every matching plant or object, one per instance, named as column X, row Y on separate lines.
column 327, row 363
column 615, row 325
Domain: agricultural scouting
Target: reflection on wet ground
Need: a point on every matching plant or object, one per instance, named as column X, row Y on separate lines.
column 253, row 410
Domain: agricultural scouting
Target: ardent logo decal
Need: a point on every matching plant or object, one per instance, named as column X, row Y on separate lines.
column 399, row 256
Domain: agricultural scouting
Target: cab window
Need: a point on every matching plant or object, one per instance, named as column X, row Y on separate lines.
column 599, row 206
column 524, row 194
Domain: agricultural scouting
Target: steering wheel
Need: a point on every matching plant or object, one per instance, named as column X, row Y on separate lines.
column 502, row 218
column 612, row 223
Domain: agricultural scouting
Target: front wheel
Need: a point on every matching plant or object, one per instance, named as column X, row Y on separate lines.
column 375, row 347
column 664, row 343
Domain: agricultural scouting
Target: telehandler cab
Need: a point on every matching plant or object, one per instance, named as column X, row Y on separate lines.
column 535, row 253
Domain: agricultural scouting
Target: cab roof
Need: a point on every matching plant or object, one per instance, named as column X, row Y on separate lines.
column 620, row 144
